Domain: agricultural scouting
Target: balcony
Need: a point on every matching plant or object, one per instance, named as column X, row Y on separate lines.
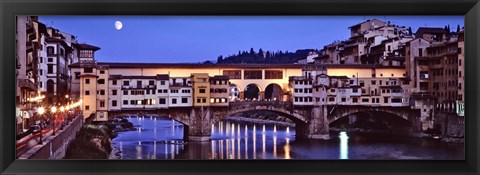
column 26, row 83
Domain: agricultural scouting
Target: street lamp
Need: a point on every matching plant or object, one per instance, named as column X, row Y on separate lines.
column 40, row 111
column 53, row 110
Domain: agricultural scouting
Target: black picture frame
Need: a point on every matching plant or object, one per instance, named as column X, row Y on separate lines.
column 9, row 9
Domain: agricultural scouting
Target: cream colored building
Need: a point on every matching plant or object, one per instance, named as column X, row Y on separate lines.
column 353, row 85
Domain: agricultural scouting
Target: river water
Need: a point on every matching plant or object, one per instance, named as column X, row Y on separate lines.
column 162, row 138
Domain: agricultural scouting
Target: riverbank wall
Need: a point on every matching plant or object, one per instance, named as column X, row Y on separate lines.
column 54, row 147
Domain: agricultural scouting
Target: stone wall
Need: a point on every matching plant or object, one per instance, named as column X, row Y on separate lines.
column 54, row 147
column 450, row 124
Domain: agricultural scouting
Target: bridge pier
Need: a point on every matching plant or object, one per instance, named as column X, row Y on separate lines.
column 200, row 124
column 317, row 127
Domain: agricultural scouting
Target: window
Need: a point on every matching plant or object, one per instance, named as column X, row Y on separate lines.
column 354, row 100
column 88, row 70
column 355, row 90
column 87, row 92
column 102, row 72
column 41, row 71
column 186, row 91
column 174, row 91
column 41, row 60
column 114, row 102
column 125, row 92
column 204, row 100
column 87, row 81
column 202, row 91
column 396, row 100
column 139, row 84
column 162, row 101
column 365, row 100
column 174, row 101
column 199, row 100
column 151, row 82
column 86, row 53
column 125, row 102
column 212, row 100
column 253, row 74
column 273, row 74
column 233, row 74
column 102, row 92
column 50, row 50
column 132, row 102
column 344, row 99
column 420, row 52
column 331, row 99
column 148, row 91
column 50, row 69
column 87, row 107
column 184, row 100
column 101, row 81
column 374, row 82
column 114, row 82
column 126, row 83
column 102, row 103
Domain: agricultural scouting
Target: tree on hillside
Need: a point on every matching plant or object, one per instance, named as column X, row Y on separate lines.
column 220, row 59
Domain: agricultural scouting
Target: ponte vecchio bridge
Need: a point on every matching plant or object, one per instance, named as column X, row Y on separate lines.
column 197, row 116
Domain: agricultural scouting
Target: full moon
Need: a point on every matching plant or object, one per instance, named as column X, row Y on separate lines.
column 118, row 25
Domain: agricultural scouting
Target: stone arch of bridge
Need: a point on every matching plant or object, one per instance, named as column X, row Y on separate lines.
column 181, row 118
column 399, row 115
column 295, row 117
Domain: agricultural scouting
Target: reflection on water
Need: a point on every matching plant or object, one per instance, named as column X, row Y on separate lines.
column 343, row 145
column 161, row 138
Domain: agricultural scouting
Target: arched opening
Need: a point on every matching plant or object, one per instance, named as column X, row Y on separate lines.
column 273, row 92
column 50, row 86
column 373, row 121
column 252, row 92
column 234, row 92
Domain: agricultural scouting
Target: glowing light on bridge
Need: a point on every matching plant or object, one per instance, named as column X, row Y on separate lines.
column 288, row 130
column 275, row 128
column 343, row 145
column 263, row 130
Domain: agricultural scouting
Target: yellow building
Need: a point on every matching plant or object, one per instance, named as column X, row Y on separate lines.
column 201, row 88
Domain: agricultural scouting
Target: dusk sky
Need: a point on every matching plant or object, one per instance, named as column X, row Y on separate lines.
column 181, row 39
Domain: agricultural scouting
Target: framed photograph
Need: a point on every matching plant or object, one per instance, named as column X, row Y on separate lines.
column 240, row 87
